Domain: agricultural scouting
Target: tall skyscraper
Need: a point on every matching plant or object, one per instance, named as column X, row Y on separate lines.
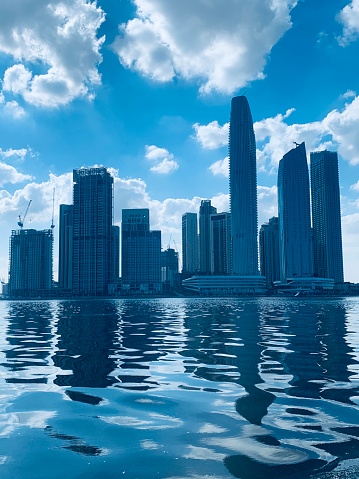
column 65, row 246
column 205, row 212
column 141, row 250
column 92, row 231
column 269, row 251
column 243, row 189
column 327, row 234
column 189, row 243
column 30, row 271
column 295, row 234
column 169, row 266
column 220, row 243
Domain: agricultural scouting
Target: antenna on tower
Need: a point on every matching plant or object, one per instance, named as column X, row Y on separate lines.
column 53, row 207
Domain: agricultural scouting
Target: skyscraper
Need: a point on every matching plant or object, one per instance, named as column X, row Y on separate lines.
column 205, row 212
column 141, row 250
column 92, row 257
column 327, row 235
column 295, row 234
column 30, row 271
column 189, row 243
column 220, row 243
column 65, row 246
column 243, row 189
column 269, row 251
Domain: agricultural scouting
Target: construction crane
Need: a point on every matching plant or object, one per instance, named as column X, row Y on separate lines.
column 53, row 207
column 22, row 218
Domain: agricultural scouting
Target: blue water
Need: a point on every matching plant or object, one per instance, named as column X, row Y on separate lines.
column 179, row 388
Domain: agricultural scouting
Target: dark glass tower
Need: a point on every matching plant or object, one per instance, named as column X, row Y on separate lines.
column 92, row 258
column 65, row 246
column 205, row 212
column 295, row 233
column 327, row 234
column 269, row 251
column 243, row 189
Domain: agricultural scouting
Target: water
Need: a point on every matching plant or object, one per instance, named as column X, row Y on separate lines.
column 179, row 388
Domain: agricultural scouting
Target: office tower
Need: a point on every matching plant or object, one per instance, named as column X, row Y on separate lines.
column 269, row 251
column 205, row 212
column 220, row 243
column 327, row 234
column 30, row 271
column 189, row 243
column 141, row 250
column 92, row 231
column 243, row 189
column 169, row 266
column 65, row 246
column 115, row 260
column 295, row 234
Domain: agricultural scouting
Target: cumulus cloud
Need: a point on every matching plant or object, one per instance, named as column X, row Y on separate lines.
column 9, row 174
column 18, row 154
column 349, row 17
column 164, row 160
column 220, row 167
column 221, row 48
column 274, row 136
column 56, row 38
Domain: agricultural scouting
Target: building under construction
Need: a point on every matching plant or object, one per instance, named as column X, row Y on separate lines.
column 31, row 254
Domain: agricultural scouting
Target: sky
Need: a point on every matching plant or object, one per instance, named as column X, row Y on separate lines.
column 143, row 87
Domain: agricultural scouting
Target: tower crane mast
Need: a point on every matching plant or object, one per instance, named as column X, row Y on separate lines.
column 22, row 219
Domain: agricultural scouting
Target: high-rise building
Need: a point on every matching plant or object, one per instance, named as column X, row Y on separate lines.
column 189, row 243
column 295, row 233
column 30, row 271
column 327, row 234
column 205, row 212
column 243, row 189
column 269, row 251
column 115, row 260
column 92, row 258
column 65, row 246
column 169, row 266
column 220, row 243
column 141, row 250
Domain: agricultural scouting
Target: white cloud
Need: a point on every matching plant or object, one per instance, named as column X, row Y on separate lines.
column 349, row 17
column 212, row 136
column 355, row 187
column 13, row 109
column 164, row 160
column 60, row 38
column 220, row 167
column 223, row 48
column 165, row 167
column 18, row 154
column 8, row 174
column 274, row 136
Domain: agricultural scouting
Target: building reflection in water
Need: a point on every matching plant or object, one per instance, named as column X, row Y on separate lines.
column 30, row 337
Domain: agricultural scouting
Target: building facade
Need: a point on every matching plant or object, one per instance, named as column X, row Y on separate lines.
column 269, row 251
column 295, row 233
column 169, row 266
column 31, row 256
column 220, row 243
column 65, row 246
column 327, row 231
column 92, row 257
column 141, row 251
column 190, row 260
column 243, row 189
column 205, row 212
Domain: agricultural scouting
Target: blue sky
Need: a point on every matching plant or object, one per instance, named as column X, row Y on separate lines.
column 144, row 87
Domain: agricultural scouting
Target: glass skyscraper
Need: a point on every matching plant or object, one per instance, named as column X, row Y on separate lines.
column 92, row 248
column 295, row 233
column 327, row 235
column 189, row 243
column 205, row 212
column 243, row 189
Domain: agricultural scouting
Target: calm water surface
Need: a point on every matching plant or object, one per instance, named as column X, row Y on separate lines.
column 179, row 388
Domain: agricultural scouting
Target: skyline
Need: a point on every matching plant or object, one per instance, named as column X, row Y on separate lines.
column 167, row 137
